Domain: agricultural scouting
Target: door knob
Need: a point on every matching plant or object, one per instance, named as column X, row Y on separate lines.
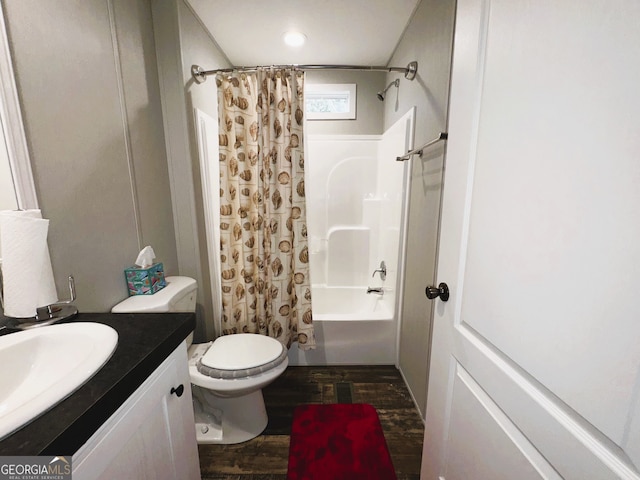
column 178, row 391
column 441, row 291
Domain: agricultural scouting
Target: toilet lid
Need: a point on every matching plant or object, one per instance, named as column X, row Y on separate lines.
column 242, row 351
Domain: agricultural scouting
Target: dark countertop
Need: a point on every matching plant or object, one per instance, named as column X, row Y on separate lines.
column 145, row 340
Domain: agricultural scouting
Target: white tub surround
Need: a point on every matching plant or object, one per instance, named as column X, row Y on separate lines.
column 350, row 304
column 355, row 191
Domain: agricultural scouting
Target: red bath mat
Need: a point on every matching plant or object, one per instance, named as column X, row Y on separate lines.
column 338, row 442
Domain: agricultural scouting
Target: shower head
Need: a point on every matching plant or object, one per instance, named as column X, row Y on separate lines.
column 382, row 94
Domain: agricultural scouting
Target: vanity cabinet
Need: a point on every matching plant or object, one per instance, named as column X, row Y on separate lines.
column 151, row 436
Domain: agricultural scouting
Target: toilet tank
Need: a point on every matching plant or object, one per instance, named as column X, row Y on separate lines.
column 178, row 296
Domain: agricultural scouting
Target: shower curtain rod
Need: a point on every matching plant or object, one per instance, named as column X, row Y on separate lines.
column 200, row 75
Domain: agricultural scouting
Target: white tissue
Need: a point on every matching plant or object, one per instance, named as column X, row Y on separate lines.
column 26, row 267
column 145, row 257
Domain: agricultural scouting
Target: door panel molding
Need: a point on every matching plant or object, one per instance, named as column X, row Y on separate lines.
column 479, row 408
column 541, row 416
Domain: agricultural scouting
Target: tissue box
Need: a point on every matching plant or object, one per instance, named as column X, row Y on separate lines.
column 145, row 281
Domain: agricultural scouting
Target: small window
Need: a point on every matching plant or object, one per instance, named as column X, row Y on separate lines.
column 330, row 101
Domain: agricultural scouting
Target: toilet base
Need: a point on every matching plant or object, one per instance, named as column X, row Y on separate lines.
column 228, row 420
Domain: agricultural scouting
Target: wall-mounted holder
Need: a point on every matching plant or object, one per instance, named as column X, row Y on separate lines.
column 418, row 151
column 48, row 315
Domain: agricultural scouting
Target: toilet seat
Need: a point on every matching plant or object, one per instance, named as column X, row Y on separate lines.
column 240, row 356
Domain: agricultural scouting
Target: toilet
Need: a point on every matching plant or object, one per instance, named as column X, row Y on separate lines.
column 227, row 375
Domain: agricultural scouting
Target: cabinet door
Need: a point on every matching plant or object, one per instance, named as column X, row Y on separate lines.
column 152, row 436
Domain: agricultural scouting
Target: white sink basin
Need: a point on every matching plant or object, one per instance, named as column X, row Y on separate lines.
column 42, row 366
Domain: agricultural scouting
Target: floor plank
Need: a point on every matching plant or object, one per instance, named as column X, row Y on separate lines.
column 266, row 457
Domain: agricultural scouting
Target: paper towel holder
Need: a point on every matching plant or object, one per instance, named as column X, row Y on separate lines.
column 48, row 315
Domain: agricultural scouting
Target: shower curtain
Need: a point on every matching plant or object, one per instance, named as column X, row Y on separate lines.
column 264, row 249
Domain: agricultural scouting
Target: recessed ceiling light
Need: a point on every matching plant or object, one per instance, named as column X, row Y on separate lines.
column 294, row 39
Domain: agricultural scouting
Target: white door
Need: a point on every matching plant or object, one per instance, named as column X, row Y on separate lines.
column 535, row 357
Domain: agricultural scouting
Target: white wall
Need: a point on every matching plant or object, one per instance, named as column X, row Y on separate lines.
column 7, row 193
column 87, row 80
column 198, row 47
column 428, row 40
column 181, row 41
column 369, row 110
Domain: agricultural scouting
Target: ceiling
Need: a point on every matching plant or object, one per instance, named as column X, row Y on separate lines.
column 357, row 32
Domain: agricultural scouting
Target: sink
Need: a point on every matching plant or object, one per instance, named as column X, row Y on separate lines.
column 41, row 367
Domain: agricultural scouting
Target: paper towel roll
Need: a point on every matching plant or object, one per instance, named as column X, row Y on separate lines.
column 48, row 293
column 26, row 268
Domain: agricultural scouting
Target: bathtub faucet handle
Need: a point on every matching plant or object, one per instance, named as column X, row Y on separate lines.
column 376, row 290
column 382, row 270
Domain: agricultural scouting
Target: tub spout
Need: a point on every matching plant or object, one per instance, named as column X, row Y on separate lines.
column 376, row 290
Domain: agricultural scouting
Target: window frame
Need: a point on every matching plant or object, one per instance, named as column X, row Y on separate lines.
column 328, row 88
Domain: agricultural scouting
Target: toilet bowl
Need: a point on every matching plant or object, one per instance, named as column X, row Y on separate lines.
column 227, row 375
column 227, row 378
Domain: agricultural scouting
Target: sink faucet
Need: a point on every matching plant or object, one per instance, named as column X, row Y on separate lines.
column 376, row 290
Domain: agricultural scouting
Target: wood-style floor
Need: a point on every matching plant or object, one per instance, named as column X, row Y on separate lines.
column 265, row 457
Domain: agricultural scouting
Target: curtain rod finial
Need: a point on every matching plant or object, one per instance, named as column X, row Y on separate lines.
column 412, row 70
column 198, row 74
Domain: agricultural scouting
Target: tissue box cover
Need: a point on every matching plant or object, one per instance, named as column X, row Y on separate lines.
column 145, row 281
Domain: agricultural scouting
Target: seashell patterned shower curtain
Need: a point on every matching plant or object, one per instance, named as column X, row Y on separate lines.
column 263, row 233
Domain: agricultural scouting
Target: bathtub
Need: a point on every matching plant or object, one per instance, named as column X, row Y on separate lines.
column 351, row 328
column 348, row 304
